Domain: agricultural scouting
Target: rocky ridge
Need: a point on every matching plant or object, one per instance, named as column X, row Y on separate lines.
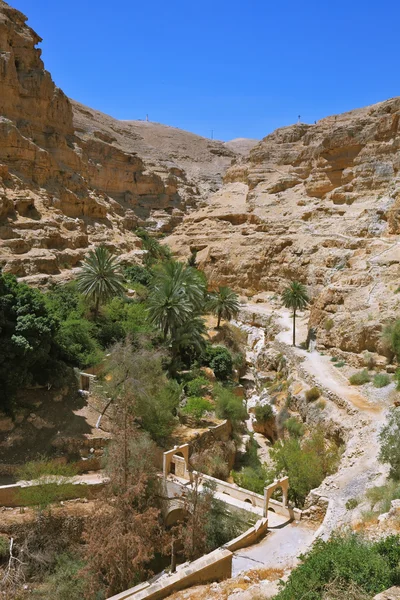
column 72, row 177
column 318, row 203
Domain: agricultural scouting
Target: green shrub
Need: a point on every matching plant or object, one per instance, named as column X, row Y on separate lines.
column 360, row 378
column 321, row 404
column 253, row 478
column 381, row 380
column 389, row 549
column 66, row 583
column 351, row 503
column 340, row 364
column 219, row 359
column 229, row 406
column 381, row 496
column 28, row 331
column 76, row 338
column 328, row 324
column 350, row 559
column 312, row 394
column 264, row 413
column 389, row 438
column 4, row 546
column 138, row 274
column 197, row 386
column 391, row 335
column 306, row 463
column 295, row 427
column 397, row 379
column 196, row 407
column 334, row 359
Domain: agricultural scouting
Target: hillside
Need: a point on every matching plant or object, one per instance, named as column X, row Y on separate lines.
column 319, row 203
column 71, row 177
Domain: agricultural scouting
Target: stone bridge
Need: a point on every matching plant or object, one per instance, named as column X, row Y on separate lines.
column 178, row 478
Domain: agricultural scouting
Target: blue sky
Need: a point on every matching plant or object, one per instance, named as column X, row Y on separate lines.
column 240, row 67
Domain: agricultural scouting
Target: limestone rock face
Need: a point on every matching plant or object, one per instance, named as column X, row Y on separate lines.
column 71, row 177
column 320, row 204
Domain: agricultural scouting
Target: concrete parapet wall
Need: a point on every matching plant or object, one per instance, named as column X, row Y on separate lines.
column 249, row 537
column 215, row 566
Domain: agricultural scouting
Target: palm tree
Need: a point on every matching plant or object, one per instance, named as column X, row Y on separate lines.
column 296, row 298
column 169, row 308
column 188, row 341
column 190, row 281
column 100, row 278
column 224, row 303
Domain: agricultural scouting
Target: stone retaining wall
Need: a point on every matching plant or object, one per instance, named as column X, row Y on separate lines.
column 215, row 566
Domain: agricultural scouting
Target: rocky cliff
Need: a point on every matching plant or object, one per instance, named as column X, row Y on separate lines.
column 71, row 177
column 319, row 203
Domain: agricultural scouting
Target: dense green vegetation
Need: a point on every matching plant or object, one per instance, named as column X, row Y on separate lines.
column 306, row 461
column 344, row 563
column 28, row 347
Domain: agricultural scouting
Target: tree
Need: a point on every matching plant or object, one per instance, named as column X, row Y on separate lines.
column 124, row 531
column 168, row 307
column 176, row 302
column 27, row 338
column 136, row 372
column 224, row 303
column 389, row 438
column 100, row 278
column 295, row 297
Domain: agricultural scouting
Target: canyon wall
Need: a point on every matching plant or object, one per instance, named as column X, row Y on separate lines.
column 317, row 203
column 71, row 177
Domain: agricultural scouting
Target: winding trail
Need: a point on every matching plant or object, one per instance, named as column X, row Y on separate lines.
column 359, row 467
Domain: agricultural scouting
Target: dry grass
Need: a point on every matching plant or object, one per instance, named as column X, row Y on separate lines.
column 227, row 587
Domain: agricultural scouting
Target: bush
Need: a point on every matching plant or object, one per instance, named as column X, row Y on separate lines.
column 66, row 583
column 340, row 364
column 27, row 336
column 196, row 407
column 312, row 394
column 351, row 503
column 397, row 379
column 350, row 559
column 295, row 427
column 219, row 359
column 264, row 413
column 253, row 478
column 76, row 339
column 328, row 324
column 4, row 546
column 229, row 406
column 360, row 378
column 380, row 497
column 391, row 335
column 381, row 380
column 197, row 386
column 389, row 438
column 138, row 274
column 306, row 464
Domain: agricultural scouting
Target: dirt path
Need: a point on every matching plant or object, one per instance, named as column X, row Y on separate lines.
column 279, row 549
column 359, row 467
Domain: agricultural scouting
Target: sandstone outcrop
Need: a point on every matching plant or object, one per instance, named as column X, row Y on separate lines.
column 318, row 203
column 71, row 177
